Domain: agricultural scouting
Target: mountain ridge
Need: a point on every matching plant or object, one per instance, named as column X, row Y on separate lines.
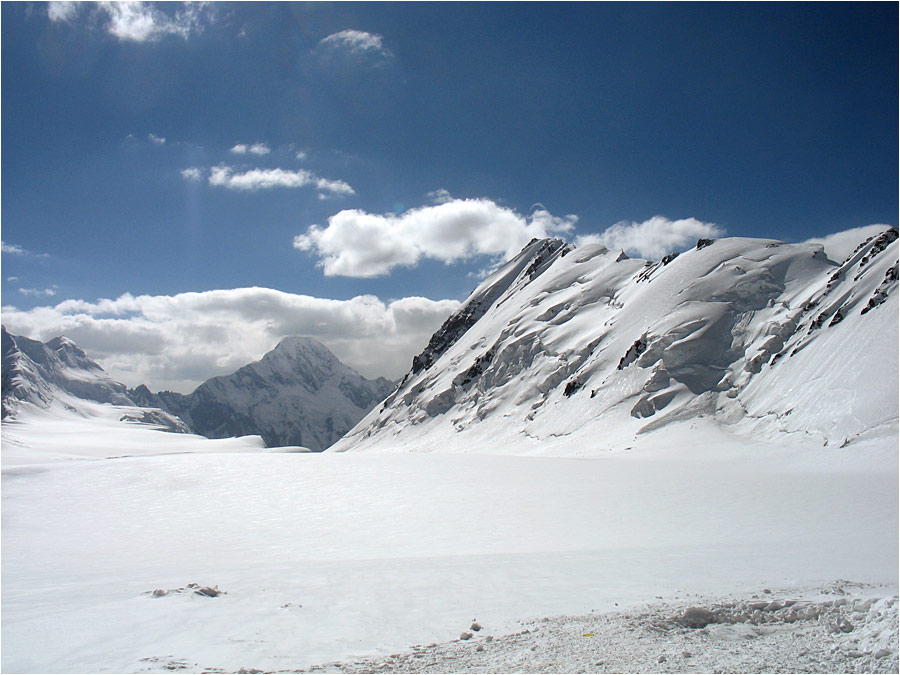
column 598, row 345
column 59, row 371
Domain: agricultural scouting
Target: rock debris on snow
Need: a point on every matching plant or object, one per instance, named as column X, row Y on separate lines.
column 762, row 642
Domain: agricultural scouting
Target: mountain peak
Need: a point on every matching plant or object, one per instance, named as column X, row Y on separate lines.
column 296, row 352
column 299, row 393
column 300, row 343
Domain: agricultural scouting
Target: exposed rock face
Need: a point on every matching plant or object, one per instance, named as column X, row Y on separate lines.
column 534, row 259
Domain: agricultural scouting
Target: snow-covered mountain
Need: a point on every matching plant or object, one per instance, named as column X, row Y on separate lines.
column 298, row 394
column 580, row 350
column 57, row 373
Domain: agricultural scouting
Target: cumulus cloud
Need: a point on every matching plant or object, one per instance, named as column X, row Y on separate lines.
column 176, row 342
column 254, row 149
column 156, row 140
column 653, row 238
column 360, row 244
column 262, row 179
column 135, row 21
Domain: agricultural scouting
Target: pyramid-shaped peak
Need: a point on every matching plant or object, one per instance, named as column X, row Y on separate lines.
column 70, row 353
column 299, row 343
column 296, row 348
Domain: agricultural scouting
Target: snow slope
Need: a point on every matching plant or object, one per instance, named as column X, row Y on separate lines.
column 298, row 394
column 99, row 431
column 580, row 351
column 335, row 557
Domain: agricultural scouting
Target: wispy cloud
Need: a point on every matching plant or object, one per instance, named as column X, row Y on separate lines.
column 45, row 292
column 263, row 179
column 156, row 140
column 134, row 21
column 355, row 48
column 15, row 249
column 360, row 244
column 62, row 11
column 12, row 249
column 841, row 244
column 654, row 237
column 439, row 196
column 176, row 342
column 355, row 41
column 192, row 174
column 254, row 149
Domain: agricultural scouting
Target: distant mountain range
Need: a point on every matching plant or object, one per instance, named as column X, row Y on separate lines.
column 299, row 394
column 584, row 349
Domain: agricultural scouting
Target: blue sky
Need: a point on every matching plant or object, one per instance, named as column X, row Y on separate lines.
column 330, row 152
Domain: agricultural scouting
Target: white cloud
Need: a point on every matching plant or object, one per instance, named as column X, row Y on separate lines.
column 13, row 249
column 176, row 342
column 254, row 149
column 352, row 53
column 12, row 279
column 439, row 196
column 134, row 21
column 62, row 11
column 839, row 245
column 192, row 174
column 360, row 244
column 653, row 238
column 49, row 292
column 260, row 179
column 156, row 140
column 301, row 155
column 354, row 41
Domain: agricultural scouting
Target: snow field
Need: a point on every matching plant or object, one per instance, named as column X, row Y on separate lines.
column 56, row 434
column 326, row 558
